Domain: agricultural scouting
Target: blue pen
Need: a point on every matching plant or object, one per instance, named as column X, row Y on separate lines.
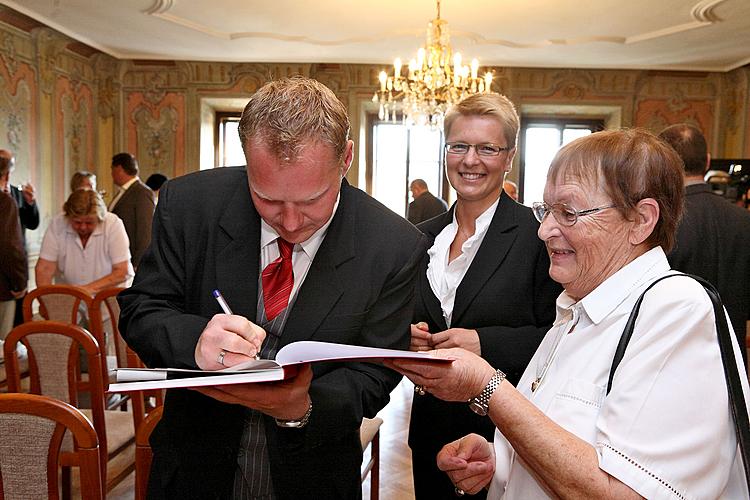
column 225, row 307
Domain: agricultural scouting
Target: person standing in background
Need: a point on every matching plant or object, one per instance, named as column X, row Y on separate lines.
column 713, row 240
column 83, row 180
column 133, row 203
column 27, row 210
column 13, row 266
column 425, row 205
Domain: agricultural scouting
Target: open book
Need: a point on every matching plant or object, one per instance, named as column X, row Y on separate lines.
column 262, row 370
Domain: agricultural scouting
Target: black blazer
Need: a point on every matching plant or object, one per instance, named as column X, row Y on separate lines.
column 28, row 214
column 506, row 295
column 713, row 242
column 359, row 290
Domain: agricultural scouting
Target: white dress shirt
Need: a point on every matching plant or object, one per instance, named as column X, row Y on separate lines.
column 665, row 429
column 444, row 276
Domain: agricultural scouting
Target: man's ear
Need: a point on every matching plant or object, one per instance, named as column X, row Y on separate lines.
column 348, row 157
column 646, row 217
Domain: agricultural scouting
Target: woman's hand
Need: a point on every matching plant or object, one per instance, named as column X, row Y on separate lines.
column 420, row 337
column 460, row 380
column 458, row 337
column 469, row 462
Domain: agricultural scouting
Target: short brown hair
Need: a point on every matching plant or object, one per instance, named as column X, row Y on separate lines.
column 127, row 161
column 629, row 165
column 84, row 202
column 494, row 105
column 690, row 144
column 287, row 113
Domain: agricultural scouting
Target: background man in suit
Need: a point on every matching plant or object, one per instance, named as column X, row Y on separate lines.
column 425, row 205
column 133, row 203
column 13, row 266
column 28, row 211
column 350, row 270
column 713, row 239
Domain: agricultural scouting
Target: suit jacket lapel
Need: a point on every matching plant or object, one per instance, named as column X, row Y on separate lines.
column 238, row 262
column 322, row 287
column 497, row 242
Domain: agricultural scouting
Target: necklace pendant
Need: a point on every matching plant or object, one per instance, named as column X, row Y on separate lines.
column 535, row 385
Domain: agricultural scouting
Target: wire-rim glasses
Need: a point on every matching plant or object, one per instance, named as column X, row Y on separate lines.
column 564, row 214
column 487, row 149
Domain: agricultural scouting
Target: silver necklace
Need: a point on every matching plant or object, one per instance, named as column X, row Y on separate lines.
column 563, row 329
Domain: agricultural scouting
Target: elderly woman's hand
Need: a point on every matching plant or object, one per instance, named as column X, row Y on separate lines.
column 469, row 462
column 460, row 380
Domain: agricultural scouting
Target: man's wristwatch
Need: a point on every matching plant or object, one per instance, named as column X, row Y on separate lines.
column 297, row 423
column 481, row 404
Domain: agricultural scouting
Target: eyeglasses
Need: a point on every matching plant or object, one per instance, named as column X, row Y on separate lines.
column 461, row 148
column 564, row 214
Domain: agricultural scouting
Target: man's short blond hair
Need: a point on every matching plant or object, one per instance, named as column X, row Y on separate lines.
column 287, row 114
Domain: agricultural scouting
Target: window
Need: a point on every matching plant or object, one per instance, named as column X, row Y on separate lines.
column 540, row 140
column 228, row 147
column 401, row 154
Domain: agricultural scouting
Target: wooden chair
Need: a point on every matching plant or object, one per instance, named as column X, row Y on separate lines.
column 32, row 428
column 143, row 454
column 369, row 435
column 53, row 351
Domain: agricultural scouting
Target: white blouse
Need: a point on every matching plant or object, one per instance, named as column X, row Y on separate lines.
column 665, row 429
column 444, row 277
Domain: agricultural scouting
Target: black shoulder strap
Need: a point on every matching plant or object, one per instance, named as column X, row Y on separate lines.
column 731, row 371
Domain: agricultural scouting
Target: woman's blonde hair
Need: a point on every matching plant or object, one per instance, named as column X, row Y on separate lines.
column 84, row 202
column 494, row 105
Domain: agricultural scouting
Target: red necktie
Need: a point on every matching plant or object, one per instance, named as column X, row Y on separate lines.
column 278, row 280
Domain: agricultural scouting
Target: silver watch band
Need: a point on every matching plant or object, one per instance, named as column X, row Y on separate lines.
column 296, row 424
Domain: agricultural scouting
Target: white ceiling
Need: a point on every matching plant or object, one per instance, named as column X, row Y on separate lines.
column 700, row 35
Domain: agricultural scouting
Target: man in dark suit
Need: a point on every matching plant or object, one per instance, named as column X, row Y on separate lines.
column 713, row 239
column 354, row 266
column 133, row 203
column 28, row 211
column 425, row 206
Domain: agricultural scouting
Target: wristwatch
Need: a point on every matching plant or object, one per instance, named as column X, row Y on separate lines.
column 297, row 423
column 481, row 404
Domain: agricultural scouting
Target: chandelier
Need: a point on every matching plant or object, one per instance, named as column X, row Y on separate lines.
column 433, row 81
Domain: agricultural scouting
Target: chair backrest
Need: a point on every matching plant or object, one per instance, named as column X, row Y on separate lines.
column 143, row 453
column 31, row 433
column 64, row 303
column 108, row 324
column 53, row 351
column 57, row 303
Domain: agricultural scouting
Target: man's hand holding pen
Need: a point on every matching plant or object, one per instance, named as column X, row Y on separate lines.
column 228, row 340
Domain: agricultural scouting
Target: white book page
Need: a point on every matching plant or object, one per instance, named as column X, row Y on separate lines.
column 307, row 351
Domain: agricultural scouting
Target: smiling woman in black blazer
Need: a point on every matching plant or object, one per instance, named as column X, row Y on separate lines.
column 484, row 283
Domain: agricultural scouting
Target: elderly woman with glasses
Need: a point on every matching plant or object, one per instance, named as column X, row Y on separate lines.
column 611, row 206
column 484, row 284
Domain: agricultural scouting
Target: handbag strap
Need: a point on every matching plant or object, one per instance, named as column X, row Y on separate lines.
column 731, row 371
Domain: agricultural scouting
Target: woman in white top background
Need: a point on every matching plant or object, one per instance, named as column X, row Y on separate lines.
column 484, row 283
column 611, row 207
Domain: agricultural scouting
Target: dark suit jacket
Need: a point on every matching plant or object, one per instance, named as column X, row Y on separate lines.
column 13, row 267
column 507, row 296
column 425, row 207
column 136, row 209
column 29, row 214
column 713, row 242
column 359, row 290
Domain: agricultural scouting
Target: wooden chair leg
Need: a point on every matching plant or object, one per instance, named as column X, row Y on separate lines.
column 375, row 473
column 66, row 484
